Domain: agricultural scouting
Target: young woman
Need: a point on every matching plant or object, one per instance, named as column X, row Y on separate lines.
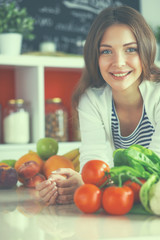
column 118, row 96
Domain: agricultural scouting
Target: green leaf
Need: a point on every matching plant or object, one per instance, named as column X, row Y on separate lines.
column 141, row 158
column 13, row 19
column 10, row 162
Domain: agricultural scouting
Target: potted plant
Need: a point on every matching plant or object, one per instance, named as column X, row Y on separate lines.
column 14, row 22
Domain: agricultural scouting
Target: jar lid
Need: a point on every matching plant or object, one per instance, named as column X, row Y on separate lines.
column 54, row 100
column 16, row 101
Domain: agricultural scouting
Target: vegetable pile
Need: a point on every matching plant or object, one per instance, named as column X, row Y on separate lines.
column 132, row 185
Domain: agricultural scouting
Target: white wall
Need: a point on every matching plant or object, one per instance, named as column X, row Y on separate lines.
column 150, row 9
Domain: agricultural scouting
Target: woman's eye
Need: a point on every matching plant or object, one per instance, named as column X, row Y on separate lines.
column 131, row 49
column 107, row 51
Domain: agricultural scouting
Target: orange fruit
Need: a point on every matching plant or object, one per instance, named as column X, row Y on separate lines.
column 55, row 162
column 30, row 156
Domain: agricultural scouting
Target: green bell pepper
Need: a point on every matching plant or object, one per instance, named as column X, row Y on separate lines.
column 126, row 172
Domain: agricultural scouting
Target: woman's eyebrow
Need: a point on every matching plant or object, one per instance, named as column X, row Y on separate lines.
column 126, row 44
column 105, row 45
column 131, row 43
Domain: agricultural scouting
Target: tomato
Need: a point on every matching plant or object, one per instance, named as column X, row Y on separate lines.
column 117, row 200
column 47, row 147
column 88, row 198
column 94, row 172
column 135, row 187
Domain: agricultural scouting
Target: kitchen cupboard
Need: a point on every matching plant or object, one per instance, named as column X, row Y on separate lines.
column 36, row 78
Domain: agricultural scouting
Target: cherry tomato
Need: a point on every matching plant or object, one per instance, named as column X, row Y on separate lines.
column 135, row 187
column 117, row 200
column 88, row 198
column 94, row 172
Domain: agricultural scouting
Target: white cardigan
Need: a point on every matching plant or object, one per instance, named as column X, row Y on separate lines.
column 95, row 109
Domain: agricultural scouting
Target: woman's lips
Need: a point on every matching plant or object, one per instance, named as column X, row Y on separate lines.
column 120, row 75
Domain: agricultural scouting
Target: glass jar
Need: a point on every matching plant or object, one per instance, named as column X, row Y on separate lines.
column 56, row 120
column 16, row 122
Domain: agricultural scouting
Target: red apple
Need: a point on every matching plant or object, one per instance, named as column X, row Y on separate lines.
column 36, row 179
column 28, row 169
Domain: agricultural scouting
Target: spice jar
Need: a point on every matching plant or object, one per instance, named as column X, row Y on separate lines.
column 56, row 120
column 16, row 122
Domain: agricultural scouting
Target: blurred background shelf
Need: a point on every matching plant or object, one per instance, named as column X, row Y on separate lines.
column 34, row 79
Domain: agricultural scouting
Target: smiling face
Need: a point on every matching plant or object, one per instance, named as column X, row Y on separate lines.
column 119, row 60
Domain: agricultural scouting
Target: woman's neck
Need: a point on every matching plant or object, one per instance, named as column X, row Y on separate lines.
column 129, row 108
column 127, row 99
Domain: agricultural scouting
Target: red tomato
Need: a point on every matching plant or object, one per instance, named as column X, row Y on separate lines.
column 135, row 187
column 117, row 200
column 88, row 198
column 94, row 172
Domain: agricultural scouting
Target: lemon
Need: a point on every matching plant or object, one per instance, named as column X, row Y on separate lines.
column 47, row 147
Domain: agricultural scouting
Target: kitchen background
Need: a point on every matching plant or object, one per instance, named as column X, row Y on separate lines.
column 50, row 67
column 66, row 23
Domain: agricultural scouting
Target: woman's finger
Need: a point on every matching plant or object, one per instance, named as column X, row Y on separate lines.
column 56, row 176
column 46, row 190
column 74, row 180
column 66, row 190
column 68, row 172
column 43, row 185
column 52, row 199
column 49, row 194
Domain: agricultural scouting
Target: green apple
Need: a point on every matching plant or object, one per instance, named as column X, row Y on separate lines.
column 47, row 147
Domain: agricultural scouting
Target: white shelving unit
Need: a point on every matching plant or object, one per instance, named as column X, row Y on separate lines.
column 29, row 85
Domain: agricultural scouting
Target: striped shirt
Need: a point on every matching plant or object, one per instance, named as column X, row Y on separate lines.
column 142, row 135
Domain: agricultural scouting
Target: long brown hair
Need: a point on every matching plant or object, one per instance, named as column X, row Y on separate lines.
column 145, row 39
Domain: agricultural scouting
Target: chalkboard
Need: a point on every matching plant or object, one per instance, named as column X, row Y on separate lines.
column 65, row 22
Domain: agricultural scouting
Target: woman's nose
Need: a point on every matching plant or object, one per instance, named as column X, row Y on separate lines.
column 119, row 59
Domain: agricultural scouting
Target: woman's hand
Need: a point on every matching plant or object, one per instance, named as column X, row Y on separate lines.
column 66, row 187
column 47, row 191
column 60, row 186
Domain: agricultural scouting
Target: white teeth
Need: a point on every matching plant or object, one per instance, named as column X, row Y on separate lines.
column 120, row 74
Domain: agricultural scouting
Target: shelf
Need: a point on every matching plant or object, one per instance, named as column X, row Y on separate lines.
column 36, row 78
column 15, row 151
column 43, row 61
